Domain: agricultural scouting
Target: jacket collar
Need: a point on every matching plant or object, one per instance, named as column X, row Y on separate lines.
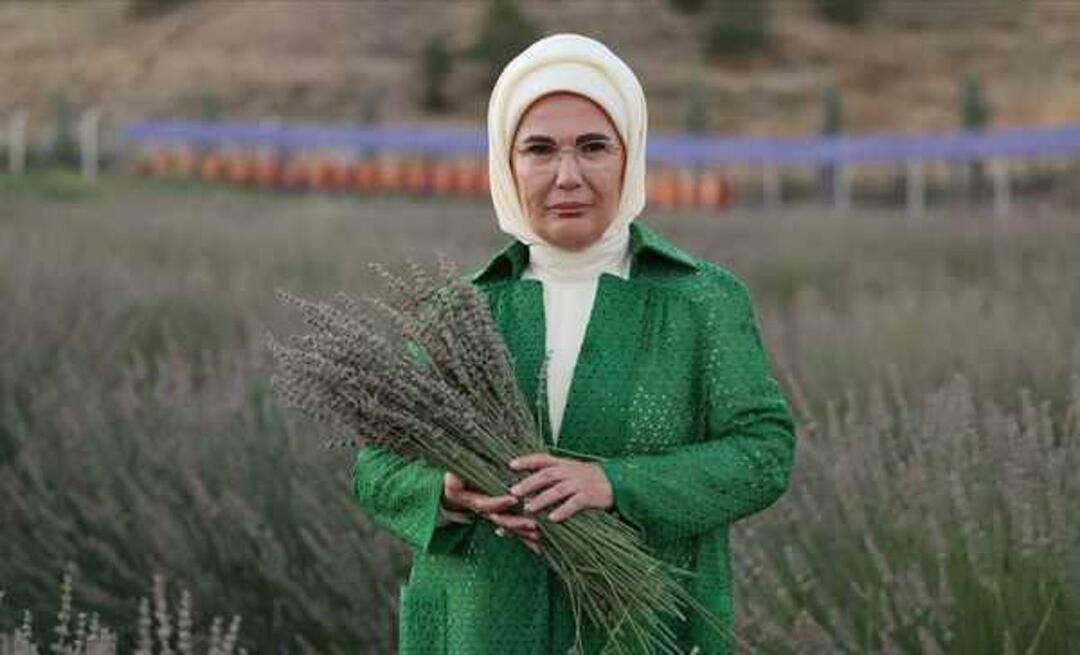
column 649, row 252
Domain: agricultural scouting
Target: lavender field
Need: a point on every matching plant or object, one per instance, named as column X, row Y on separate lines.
column 934, row 367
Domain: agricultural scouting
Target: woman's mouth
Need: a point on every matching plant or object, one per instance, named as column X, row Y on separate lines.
column 569, row 209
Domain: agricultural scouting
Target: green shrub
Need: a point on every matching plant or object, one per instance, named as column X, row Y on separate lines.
column 844, row 12
column 832, row 112
column 63, row 149
column 504, row 32
column 735, row 27
column 688, row 6
column 140, row 9
column 960, row 522
column 435, row 65
column 974, row 109
column 696, row 107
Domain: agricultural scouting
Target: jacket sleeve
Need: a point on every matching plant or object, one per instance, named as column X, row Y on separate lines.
column 743, row 463
column 404, row 496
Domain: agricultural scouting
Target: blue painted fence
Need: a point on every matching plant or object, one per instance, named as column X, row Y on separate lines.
column 1061, row 141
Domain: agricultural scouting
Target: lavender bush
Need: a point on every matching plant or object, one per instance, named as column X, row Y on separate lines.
column 137, row 433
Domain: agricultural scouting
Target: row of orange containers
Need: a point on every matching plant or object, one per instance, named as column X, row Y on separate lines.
column 666, row 188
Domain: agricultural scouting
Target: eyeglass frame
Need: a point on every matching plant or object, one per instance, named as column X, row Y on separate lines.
column 611, row 147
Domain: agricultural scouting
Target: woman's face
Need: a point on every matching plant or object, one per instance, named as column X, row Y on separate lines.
column 567, row 162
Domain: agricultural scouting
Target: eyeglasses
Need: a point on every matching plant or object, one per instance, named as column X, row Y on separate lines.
column 596, row 154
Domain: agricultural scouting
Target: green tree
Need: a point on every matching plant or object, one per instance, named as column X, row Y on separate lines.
column 735, row 27
column 64, row 148
column 832, row 112
column 504, row 32
column 974, row 109
column 139, row 9
column 688, row 6
column 435, row 64
column 696, row 107
column 844, row 12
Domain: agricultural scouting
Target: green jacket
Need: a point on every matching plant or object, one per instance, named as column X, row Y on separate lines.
column 672, row 387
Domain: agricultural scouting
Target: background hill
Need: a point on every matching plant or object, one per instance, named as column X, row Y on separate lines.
column 902, row 70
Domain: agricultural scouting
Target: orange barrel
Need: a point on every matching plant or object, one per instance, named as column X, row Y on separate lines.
column 295, row 174
column 186, row 163
column 239, row 169
column 662, row 189
column 442, row 178
column 484, row 184
column 686, row 188
column 363, row 176
column 461, row 177
column 212, row 168
column 320, row 175
column 331, row 175
column 160, row 163
column 471, row 178
column 417, row 176
column 267, row 171
column 390, row 174
column 714, row 192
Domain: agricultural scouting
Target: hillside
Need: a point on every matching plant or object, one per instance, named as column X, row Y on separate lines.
column 316, row 61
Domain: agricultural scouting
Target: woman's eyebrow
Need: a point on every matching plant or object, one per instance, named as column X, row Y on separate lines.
column 592, row 136
column 538, row 139
column 584, row 138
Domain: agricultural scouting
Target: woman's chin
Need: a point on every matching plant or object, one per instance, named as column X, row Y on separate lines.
column 572, row 234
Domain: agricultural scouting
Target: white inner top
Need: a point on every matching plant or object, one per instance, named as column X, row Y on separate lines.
column 569, row 281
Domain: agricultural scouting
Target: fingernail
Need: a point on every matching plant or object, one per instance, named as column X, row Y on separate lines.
column 513, row 463
column 514, row 489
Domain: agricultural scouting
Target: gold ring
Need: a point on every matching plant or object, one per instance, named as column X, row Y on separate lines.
column 500, row 531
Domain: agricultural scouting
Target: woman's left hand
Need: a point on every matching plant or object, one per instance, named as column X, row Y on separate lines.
column 582, row 485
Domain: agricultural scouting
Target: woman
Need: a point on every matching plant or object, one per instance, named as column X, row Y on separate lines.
column 660, row 404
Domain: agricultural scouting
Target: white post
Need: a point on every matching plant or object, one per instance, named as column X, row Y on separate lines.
column 772, row 187
column 89, row 142
column 841, row 188
column 916, row 189
column 16, row 138
column 999, row 170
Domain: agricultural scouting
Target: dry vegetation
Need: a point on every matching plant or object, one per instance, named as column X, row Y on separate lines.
column 315, row 61
column 935, row 368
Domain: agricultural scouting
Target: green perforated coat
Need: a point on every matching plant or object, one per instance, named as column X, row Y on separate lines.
column 672, row 388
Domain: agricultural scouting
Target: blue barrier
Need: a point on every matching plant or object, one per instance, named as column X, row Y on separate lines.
column 663, row 149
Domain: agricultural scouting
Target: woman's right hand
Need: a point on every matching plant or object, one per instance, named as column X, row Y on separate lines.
column 457, row 497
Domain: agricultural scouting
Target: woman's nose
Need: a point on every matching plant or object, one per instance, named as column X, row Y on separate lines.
column 568, row 175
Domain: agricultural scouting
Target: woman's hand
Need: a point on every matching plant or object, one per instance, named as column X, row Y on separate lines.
column 457, row 497
column 582, row 485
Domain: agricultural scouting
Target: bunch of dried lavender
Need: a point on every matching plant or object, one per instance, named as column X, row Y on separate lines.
column 425, row 373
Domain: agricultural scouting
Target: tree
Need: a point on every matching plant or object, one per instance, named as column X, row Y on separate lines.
column 735, row 27
column 844, row 12
column 435, row 64
column 504, row 32
column 974, row 109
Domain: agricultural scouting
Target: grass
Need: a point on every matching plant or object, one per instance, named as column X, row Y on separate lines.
column 933, row 366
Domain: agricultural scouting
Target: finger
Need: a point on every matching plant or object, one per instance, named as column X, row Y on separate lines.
column 515, row 523
column 452, row 482
column 535, row 460
column 543, row 478
column 567, row 509
column 483, row 504
column 549, row 497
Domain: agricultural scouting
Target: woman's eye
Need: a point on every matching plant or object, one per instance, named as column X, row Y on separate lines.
column 538, row 149
column 595, row 146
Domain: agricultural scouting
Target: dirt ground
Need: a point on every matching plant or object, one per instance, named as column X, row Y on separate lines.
column 902, row 71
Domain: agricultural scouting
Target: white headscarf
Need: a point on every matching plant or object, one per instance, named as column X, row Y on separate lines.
column 578, row 64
